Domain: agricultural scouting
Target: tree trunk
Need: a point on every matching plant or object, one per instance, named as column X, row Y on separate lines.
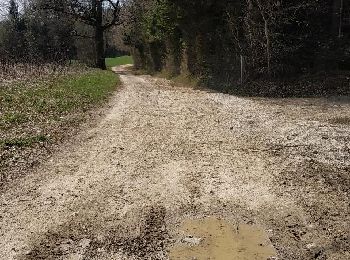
column 99, row 39
column 336, row 18
column 268, row 46
column 267, row 36
column 100, row 48
column 249, row 21
column 340, row 30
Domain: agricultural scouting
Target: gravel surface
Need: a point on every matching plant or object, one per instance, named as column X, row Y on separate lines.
column 163, row 154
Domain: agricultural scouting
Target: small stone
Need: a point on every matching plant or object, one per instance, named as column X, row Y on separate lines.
column 192, row 240
column 309, row 246
column 84, row 243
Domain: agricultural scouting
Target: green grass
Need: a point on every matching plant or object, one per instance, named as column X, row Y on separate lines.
column 27, row 110
column 23, row 141
column 123, row 60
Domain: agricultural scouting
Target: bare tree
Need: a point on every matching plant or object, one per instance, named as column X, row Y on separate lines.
column 341, row 18
column 265, row 10
column 100, row 14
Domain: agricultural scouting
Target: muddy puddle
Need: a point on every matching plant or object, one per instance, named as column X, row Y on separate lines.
column 217, row 239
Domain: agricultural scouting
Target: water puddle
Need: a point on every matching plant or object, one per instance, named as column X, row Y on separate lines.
column 217, row 239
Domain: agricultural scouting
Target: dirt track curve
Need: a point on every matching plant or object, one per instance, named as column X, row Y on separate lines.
column 163, row 154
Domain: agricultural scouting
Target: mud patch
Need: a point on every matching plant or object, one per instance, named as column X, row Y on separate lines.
column 322, row 190
column 193, row 185
column 340, row 120
column 85, row 239
column 213, row 238
column 149, row 244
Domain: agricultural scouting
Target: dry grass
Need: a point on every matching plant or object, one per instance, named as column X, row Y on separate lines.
column 11, row 73
column 180, row 80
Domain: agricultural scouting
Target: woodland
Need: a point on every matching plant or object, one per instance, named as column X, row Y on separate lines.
column 260, row 47
column 278, row 47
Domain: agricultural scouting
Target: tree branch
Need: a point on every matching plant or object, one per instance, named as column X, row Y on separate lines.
column 82, row 17
column 116, row 12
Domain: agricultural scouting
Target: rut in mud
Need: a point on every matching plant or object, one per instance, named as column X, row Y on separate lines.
column 163, row 155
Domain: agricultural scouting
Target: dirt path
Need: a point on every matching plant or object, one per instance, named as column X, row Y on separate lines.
column 164, row 154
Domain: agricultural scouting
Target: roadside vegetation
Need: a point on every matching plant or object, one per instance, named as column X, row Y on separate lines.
column 37, row 114
column 51, row 56
column 253, row 47
column 117, row 61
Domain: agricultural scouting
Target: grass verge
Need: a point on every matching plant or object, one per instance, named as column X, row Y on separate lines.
column 123, row 60
column 35, row 116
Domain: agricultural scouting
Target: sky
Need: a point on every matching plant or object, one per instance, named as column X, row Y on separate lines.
column 4, row 7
